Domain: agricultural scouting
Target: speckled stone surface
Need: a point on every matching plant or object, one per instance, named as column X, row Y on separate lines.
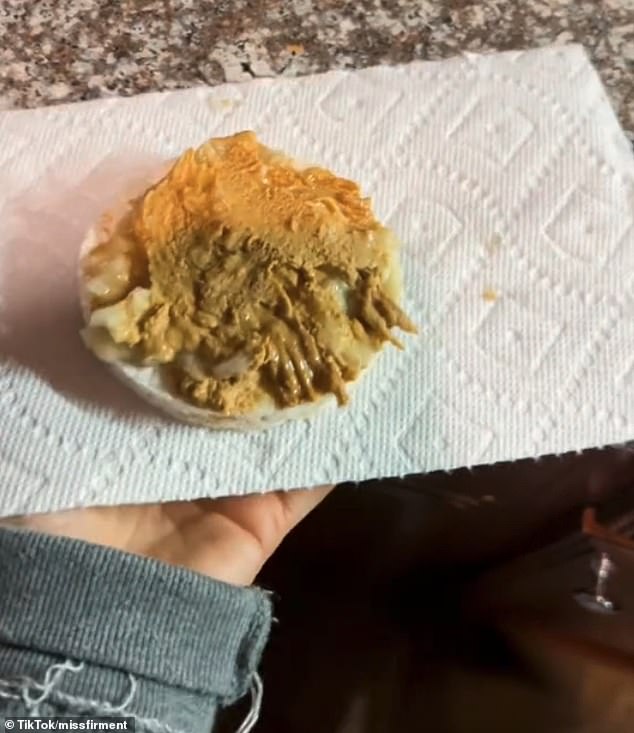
column 55, row 51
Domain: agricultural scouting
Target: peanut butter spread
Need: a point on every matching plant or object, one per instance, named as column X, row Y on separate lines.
column 245, row 275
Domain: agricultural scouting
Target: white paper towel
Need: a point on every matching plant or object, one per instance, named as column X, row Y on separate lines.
column 512, row 187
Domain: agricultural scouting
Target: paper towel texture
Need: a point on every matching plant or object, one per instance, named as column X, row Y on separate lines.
column 512, row 188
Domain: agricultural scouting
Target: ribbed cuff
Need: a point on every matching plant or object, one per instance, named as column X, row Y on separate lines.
column 92, row 603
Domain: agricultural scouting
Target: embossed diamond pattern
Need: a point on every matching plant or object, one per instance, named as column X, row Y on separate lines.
column 580, row 221
column 505, row 130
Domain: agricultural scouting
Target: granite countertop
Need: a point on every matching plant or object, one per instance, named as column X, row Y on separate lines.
column 54, row 51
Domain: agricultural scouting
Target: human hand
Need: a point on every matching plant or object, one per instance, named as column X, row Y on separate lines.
column 227, row 539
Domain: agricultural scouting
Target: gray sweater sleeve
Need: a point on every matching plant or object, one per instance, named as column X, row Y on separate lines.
column 87, row 630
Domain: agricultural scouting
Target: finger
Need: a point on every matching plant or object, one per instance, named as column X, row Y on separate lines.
column 107, row 525
column 299, row 503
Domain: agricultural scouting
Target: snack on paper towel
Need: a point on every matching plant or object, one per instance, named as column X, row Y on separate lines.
column 242, row 289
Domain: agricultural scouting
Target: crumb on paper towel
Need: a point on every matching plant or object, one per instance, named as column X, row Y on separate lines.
column 490, row 295
column 223, row 105
column 493, row 245
column 295, row 49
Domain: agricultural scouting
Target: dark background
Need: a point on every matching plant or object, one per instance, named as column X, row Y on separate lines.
column 445, row 603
